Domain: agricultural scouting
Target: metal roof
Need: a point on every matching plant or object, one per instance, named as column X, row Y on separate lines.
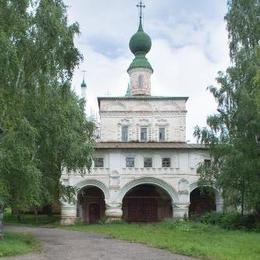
column 149, row 145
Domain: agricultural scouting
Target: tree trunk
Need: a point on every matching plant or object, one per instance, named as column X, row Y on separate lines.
column 35, row 215
column 1, row 223
column 243, row 197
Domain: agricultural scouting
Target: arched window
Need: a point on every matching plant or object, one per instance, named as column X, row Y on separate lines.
column 141, row 81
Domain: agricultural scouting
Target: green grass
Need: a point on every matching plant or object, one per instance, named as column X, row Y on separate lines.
column 18, row 244
column 192, row 239
column 31, row 220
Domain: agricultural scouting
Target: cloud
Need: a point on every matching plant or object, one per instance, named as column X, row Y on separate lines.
column 189, row 48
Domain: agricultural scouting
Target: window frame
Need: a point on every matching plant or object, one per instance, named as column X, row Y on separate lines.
column 168, row 164
column 151, row 162
column 127, row 161
column 95, row 162
column 164, row 134
column 146, row 134
column 207, row 162
column 127, row 133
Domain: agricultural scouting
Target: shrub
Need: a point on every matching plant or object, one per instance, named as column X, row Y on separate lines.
column 231, row 221
column 212, row 218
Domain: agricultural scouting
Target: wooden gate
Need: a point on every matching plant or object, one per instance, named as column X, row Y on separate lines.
column 142, row 210
column 94, row 213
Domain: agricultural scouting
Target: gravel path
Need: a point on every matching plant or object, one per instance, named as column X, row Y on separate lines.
column 62, row 244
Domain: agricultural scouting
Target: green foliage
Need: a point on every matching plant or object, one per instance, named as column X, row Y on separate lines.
column 32, row 220
column 44, row 125
column 231, row 133
column 231, row 221
column 186, row 238
column 17, row 244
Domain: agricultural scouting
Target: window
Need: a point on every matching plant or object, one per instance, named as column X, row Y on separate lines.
column 124, row 134
column 161, row 134
column 130, row 162
column 207, row 162
column 141, row 81
column 143, row 134
column 166, row 162
column 148, row 162
column 98, row 162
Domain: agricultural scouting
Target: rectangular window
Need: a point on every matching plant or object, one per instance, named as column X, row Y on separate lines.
column 144, row 134
column 161, row 134
column 207, row 162
column 166, row 162
column 148, row 162
column 130, row 162
column 124, row 134
column 98, row 162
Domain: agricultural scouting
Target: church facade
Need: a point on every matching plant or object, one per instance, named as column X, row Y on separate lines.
column 143, row 169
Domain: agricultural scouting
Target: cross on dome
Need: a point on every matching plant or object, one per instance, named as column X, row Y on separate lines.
column 141, row 6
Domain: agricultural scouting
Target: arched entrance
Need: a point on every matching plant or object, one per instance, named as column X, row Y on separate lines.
column 91, row 204
column 146, row 203
column 202, row 200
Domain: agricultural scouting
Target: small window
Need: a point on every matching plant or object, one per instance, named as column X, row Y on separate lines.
column 130, row 162
column 207, row 162
column 124, row 134
column 143, row 134
column 148, row 162
column 141, row 81
column 161, row 134
column 98, row 162
column 166, row 162
column 257, row 138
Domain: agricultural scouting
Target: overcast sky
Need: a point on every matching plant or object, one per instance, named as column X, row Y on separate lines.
column 190, row 46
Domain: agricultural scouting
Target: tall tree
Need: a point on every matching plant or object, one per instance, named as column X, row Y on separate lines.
column 43, row 121
column 231, row 133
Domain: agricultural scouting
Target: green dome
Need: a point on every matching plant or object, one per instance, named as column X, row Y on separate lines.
column 140, row 43
column 83, row 84
column 140, row 61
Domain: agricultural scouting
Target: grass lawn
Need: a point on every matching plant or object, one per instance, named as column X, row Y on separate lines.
column 18, row 244
column 192, row 239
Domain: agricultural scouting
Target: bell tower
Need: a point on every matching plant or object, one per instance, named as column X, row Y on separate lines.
column 140, row 70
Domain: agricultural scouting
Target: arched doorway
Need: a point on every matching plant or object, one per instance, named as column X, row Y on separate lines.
column 91, row 204
column 202, row 200
column 146, row 203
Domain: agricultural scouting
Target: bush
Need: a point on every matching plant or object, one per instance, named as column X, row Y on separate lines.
column 231, row 221
column 212, row 218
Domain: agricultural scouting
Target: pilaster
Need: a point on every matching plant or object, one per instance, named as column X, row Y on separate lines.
column 113, row 212
column 68, row 213
column 180, row 210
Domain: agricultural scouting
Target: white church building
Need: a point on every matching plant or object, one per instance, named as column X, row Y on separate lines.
column 143, row 169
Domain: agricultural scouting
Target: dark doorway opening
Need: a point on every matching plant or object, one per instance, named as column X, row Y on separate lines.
column 202, row 200
column 91, row 205
column 146, row 203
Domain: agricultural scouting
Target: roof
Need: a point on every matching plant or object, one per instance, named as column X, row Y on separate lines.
column 140, row 61
column 142, row 98
column 149, row 145
column 140, row 44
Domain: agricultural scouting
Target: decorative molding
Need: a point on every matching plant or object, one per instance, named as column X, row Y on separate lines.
column 149, row 180
column 93, row 182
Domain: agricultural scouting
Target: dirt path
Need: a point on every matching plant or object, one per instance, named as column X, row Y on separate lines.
column 61, row 244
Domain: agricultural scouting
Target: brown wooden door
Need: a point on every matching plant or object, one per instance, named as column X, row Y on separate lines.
column 142, row 210
column 94, row 213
